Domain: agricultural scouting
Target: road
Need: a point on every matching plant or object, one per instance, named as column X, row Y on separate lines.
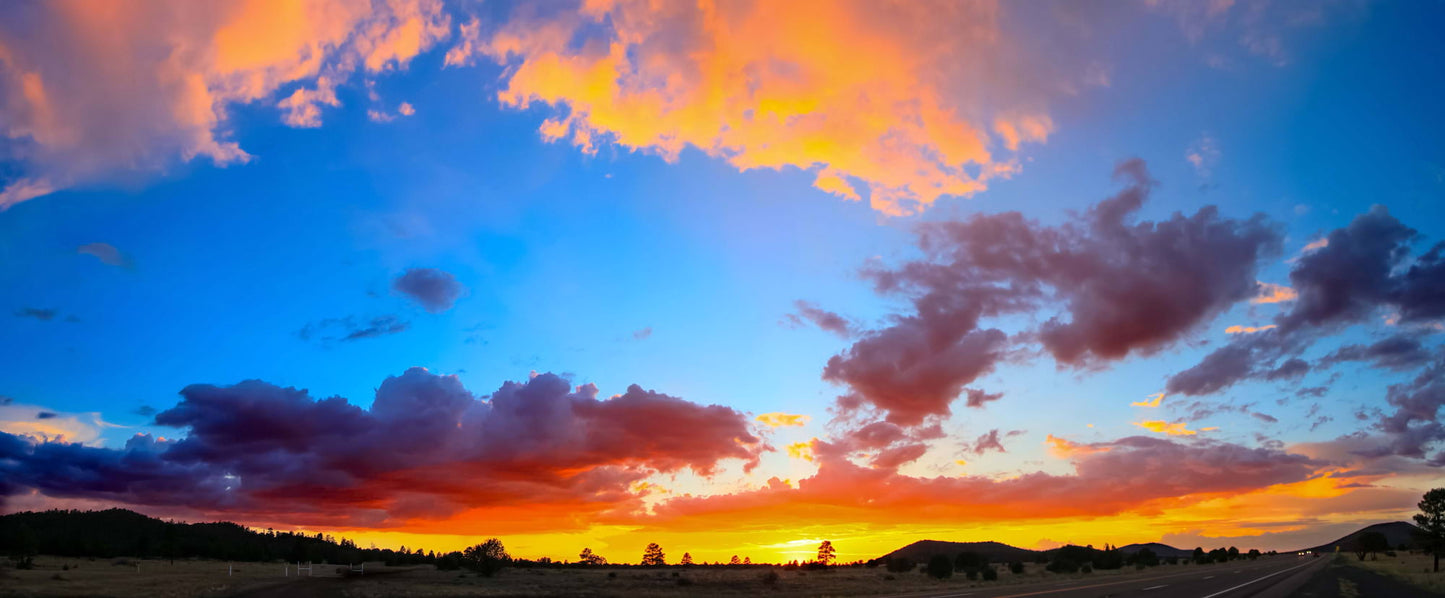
column 1275, row 577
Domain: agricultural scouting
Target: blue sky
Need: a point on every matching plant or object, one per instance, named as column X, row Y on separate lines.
column 624, row 267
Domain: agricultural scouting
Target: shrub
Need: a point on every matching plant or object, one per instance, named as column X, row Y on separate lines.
column 683, row 581
column 1086, row 569
column 889, row 577
column 941, row 567
column 611, row 575
column 65, row 567
column 900, row 564
column 990, row 574
column 1016, row 568
column 970, row 574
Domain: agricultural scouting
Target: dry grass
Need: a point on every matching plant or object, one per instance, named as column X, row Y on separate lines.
column 208, row 578
column 1415, row 568
column 64, row 576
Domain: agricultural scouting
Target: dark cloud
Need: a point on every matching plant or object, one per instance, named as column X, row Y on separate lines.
column 45, row 315
column 145, row 411
column 350, row 328
column 1313, row 391
column 977, row 398
column 436, row 290
column 1124, row 287
column 989, row 441
column 1397, row 352
column 106, row 253
column 426, row 448
column 1363, row 270
column 825, row 320
column 47, row 415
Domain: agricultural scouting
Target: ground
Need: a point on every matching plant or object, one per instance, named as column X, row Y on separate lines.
column 1404, row 575
column 121, row 578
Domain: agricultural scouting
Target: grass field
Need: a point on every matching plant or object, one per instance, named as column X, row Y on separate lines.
column 1415, row 568
column 120, row 577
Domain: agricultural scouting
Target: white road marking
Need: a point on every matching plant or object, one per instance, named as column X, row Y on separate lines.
column 1257, row 579
column 1156, row 587
column 1209, row 577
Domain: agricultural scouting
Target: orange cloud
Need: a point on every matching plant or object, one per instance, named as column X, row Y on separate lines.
column 1236, row 329
column 802, row 450
column 111, row 87
column 782, row 420
column 1157, row 398
column 1067, row 449
column 905, row 102
column 1274, row 293
column 1163, row 427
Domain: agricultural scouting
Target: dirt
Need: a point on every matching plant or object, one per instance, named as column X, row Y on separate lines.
column 1344, row 581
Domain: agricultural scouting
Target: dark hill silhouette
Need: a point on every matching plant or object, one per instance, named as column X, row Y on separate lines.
column 1396, row 533
column 119, row 532
column 1159, row 550
column 922, row 550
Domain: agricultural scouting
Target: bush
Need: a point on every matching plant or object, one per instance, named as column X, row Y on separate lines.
column 1016, row 568
column 900, row 564
column 970, row 574
column 1062, row 566
column 889, row 577
column 940, row 567
column 1086, row 569
column 683, row 581
column 611, row 575
column 990, row 574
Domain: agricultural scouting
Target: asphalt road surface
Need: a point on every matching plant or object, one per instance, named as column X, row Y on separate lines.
column 1275, row 577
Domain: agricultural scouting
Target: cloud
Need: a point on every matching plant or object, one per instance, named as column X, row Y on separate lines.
column 822, row 318
column 1133, row 474
column 1064, row 448
column 642, row 334
column 43, row 424
column 989, row 441
column 1274, row 293
column 92, row 92
column 1357, row 271
column 277, row 454
column 106, row 253
column 1156, row 398
column 1203, row 155
column 1398, row 352
column 901, row 103
column 349, row 328
column 42, row 314
column 1163, row 427
column 782, row 420
column 1237, row 329
column 436, row 290
column 1123, row 287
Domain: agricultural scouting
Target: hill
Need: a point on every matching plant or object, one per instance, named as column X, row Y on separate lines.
column 922, row 550
column 1160, row 550
column 1396, row 532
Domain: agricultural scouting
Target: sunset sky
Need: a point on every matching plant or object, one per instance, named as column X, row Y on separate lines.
column 730, row 276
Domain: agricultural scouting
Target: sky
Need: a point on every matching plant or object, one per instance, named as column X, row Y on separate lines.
column 733, row 277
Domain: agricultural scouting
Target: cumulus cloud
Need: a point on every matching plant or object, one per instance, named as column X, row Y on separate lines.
column 1164, row 427
column 436, row 290
column 900, row 102
column 1203, row 155
column 425, row 449
column 1348, row 277
column 92, row 90
column 1124, row 286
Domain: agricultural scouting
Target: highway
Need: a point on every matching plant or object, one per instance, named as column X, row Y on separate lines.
column 1265, row 578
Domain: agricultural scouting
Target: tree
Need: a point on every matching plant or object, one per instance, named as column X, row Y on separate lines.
column 486, row 558
column 686, row 558
column 1371, row 542
column 653, row 556
column 587, row 557
column 735, row 561
column 940, row 566
column 1253, row 553
column 747, row 560
column 1233, row 553
column 1431, row 521
column 826, row 553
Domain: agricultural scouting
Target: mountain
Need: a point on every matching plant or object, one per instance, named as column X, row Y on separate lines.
column 1396, row 532
column 922, row 550
column 1160, row 550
